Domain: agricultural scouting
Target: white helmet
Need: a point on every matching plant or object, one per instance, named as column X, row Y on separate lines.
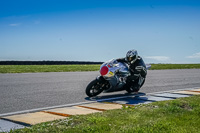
column 132, row 56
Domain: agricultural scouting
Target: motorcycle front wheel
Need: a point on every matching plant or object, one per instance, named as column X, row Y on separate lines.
column 94, row 88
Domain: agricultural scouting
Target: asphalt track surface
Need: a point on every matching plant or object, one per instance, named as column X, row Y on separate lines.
column 28, row 91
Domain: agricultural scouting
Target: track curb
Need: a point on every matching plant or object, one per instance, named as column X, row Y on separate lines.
column 35, row 116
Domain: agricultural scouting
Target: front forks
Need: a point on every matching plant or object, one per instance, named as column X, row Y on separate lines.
column 100, row 79
column 105, row 83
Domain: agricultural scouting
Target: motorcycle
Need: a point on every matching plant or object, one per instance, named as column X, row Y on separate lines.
column 113, row 78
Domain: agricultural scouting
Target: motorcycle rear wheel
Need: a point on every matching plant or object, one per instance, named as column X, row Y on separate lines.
column 94, row 88
column 131, row 90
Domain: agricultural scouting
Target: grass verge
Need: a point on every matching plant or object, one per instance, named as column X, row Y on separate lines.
column 73, row 68
column 176, row 116
column 46, row 68
column 174, row 66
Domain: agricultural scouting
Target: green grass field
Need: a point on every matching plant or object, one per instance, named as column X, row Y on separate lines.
column 175, row 116
column 72, row 68
column 174, row 66
column 46, row 68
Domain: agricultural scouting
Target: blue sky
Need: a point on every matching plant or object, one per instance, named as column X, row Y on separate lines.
column 163, row 31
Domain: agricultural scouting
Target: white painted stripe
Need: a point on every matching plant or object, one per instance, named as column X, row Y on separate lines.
column 146, row 94
column 173, row 90
column 6, row 126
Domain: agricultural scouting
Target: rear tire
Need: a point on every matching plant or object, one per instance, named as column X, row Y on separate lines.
column 94, row 88
column 131, row 90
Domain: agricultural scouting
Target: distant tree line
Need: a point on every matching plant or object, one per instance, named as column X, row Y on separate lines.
column 47, row 62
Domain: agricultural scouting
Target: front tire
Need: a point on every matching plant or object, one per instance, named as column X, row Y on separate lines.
column 94, row 88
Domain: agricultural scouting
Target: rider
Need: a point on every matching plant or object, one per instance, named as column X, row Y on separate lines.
column 138, row 71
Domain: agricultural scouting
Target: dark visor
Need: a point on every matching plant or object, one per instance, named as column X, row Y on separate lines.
column 131, row 58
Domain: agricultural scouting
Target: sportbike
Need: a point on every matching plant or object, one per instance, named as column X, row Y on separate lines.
column 113, row 78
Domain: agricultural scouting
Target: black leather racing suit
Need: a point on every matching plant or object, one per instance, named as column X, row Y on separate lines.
column 138, row 74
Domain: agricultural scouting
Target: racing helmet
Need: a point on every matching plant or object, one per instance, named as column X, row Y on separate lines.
column 132, row 56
